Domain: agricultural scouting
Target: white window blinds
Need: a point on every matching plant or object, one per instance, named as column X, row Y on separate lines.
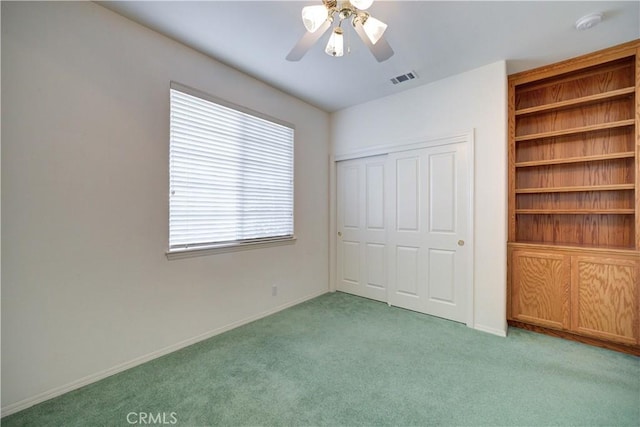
column 231, row 174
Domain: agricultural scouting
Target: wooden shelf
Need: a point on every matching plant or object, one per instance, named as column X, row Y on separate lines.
column 590, row 128
column 602, row 249
column 580, row 159
column 578, row 101
column 575, row 211
column 546, row 83
column 575, row 189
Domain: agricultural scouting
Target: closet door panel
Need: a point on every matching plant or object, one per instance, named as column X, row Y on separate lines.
column 361, row 244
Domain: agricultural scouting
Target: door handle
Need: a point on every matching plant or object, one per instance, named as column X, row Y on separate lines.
column 460, row 242
column 339, row 233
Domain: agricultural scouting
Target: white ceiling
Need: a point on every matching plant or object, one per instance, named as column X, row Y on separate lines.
column 435, row 39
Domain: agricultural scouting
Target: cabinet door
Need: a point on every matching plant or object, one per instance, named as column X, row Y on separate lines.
column 540, row 288
column 605, row 298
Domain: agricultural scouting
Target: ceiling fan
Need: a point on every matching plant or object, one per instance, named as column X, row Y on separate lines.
column 319, row 18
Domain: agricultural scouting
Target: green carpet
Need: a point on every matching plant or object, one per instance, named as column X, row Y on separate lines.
column 344, row 360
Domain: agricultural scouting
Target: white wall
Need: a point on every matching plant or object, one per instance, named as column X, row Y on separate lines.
column 472, row 100
column 86, row 286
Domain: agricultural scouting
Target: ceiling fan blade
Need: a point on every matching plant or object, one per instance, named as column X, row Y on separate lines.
column 308, row 40
column 381, row 50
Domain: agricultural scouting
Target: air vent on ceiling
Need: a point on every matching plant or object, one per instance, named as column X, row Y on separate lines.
column 404, row 77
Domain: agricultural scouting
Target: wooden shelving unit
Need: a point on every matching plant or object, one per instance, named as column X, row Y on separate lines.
column 574, row 203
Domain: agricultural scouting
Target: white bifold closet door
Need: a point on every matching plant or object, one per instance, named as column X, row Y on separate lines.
column 428, row 217
column 402, row 227
column 361, row 251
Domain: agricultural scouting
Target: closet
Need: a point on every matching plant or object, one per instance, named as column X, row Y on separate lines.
column 404, row 227
column 574, row 185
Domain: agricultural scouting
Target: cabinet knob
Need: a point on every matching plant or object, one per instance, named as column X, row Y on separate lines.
column 460, row 242
column 339, row 233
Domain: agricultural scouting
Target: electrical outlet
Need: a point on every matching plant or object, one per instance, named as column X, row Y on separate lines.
column 274, row 290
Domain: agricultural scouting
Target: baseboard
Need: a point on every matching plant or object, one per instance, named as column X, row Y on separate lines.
column 493, row 331
column 58, row 391
column 609, row 345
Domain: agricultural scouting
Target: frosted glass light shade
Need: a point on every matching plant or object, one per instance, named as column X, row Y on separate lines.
column 314, row 16
column 362, row 4
column 335, row 47
column 374, row 29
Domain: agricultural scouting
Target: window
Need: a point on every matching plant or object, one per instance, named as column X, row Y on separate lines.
column 231, row 174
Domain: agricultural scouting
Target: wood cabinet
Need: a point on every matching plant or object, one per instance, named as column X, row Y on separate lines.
column 574, row 197
column 542, row 294
column 604, row 296
column 583, row 291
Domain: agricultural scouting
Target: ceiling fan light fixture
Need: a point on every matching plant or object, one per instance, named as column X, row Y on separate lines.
column 335, row 46
column 314, row 16
column 318, row 19
column 374, row 28
column 362, row 4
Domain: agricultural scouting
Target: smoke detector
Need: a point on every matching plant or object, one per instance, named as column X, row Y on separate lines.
column 588, row 21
